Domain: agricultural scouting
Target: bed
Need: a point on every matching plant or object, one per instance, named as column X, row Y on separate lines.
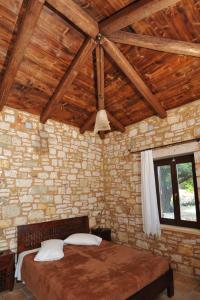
column 110, row 271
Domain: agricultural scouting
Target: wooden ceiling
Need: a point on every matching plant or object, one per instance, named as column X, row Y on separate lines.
column 48, row 66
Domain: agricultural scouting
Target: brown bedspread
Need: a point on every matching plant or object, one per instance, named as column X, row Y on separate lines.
column 107, row 272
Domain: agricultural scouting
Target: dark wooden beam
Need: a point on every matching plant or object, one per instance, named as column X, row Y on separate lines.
column 25, row 31
column 133, row 13
column 100, row 81
column 88, row 124
column 156, row 43
column 133, row 76
column 100, row 87
column 118, row 125
column 77, row 16
column 100, row 76
column 84, row 52
column 102, row 135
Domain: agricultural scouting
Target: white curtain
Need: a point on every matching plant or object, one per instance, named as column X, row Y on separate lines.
column 151, row 222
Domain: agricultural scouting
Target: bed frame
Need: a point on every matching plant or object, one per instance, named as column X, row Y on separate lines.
column 30, row 236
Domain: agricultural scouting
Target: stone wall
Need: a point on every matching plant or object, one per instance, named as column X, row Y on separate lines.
column 122, row 185
column 46, row 172
column 51, row 172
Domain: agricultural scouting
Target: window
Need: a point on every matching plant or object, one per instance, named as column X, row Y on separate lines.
column 177, row 193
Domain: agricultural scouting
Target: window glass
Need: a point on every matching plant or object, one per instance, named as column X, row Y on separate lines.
column 165, row 190
column 186, row 191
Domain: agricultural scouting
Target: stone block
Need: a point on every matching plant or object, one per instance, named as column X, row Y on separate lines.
column 5, row 223
column 36, row 215
column 176, row 258
column 186, row 250
column 38, row 189
column 20, row 221
column 10, row 118
column 47, row 198
column 10, row 211
column 26, row 199
column 23, row 182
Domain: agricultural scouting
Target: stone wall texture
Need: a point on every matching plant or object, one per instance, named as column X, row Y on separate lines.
column 122, row 183
column 51, row 171
column 46, row 172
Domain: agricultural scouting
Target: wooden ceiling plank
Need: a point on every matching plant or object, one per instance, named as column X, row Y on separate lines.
column 117, row 124
column 133, row 76
column 156, row 43
column 84, row 52
column 87, row 125
column 100, row 76
column 77, row 16
column 133, row 13
column 25, row 31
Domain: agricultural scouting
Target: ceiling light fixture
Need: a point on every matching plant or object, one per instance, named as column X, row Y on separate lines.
column 102, row 123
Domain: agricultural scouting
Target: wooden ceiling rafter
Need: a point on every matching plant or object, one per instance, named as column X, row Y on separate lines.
column 88, row 124
column 133, row 13
column 114, row 121
column 133, row 76
column 77, row 16
column 110, row 28
column 84, row 52
column 156, row 43
column 24, row 34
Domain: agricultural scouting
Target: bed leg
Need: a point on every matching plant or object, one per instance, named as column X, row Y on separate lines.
column 170, row 288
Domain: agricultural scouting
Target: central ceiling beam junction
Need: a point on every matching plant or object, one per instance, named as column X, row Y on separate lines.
column 77, row 16
column 133, row 13
column 156, row 43
column 84, row 52
column 133, row 76
column 24, row 34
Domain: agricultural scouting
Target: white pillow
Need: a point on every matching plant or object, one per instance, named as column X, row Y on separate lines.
column 50, row 250
column 84, row 239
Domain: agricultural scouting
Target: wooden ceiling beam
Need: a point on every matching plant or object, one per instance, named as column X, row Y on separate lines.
column 100, row 76
column 77, row 16
column 100, row 81
column 156, row 43
column 25, row 31
column 102, row 135
column 117, row 124
column 100, row 88
column 84, row 52
column 88, row 124
column 133, row 13
column 133, row 76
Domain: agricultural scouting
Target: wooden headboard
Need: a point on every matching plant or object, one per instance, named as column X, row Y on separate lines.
column 30, row 236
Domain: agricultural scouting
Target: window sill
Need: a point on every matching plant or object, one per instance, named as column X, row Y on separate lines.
column 180, row 229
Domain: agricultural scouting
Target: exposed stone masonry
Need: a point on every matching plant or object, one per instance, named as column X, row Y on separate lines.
column 46, row 172
column 51, row 171
column 122, row 179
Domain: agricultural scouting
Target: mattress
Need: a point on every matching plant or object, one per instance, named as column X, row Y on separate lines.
column 107, row 272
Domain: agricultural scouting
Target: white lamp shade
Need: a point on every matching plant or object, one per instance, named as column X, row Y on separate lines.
column 102, row 123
